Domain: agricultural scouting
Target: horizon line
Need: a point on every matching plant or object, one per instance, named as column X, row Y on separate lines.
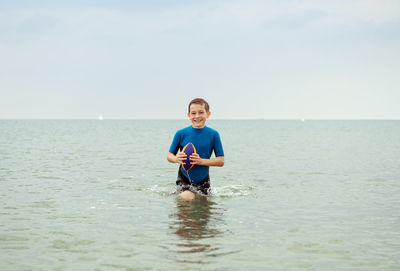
column 217, row 119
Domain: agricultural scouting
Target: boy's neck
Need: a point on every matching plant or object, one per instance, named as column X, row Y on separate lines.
column 198, row 127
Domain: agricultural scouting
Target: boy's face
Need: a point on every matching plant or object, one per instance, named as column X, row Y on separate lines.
column 198, row 115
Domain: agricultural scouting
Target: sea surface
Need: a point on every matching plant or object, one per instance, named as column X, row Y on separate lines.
column 100, row 195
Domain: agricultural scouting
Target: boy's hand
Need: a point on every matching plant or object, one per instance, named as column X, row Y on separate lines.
column 180, row 157
column 196, row 160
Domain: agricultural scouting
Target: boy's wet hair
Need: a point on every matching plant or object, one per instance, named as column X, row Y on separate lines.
column 199, row 101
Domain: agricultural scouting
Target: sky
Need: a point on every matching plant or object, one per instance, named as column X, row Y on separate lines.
column 127, row 59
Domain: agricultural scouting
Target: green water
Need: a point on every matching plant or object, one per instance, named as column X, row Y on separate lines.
column 99, row 195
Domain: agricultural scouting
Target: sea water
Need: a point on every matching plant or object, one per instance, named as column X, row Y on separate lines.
column 100, row 195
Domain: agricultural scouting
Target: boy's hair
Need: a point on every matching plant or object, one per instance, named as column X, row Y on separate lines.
column 199, row 101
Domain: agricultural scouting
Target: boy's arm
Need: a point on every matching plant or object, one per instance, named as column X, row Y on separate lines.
column 218, row 161
column 172, row 158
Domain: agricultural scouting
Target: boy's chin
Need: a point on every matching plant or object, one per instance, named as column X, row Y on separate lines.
column 198, row 125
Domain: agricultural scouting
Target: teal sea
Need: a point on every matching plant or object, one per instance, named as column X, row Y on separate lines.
column 100, row 195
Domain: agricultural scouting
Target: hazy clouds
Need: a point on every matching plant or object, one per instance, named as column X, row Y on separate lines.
column 250, row 59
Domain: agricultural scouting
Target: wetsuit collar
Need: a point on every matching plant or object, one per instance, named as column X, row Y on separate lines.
column 198, row 129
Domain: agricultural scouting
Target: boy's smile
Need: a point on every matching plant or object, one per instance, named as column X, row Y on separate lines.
column 198, row 115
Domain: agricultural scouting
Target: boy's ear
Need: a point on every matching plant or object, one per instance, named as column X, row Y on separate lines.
column 208, row 114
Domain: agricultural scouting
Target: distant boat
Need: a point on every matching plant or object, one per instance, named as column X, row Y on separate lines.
column 302, row 120
column 100, row 117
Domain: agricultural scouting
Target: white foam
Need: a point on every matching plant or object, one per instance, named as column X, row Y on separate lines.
column 161, row 189
column 231, row 190
column 222, row 191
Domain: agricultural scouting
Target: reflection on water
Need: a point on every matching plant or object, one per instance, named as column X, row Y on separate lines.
column 195, row 223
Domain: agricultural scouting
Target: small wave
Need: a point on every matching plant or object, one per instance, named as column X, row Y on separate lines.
column 163, row 190
column 128, row 177
column 222, row 191
column 232, row 190
column 47, row 177
column 376, row 180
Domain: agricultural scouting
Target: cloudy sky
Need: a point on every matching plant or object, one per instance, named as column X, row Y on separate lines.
column 283, row 59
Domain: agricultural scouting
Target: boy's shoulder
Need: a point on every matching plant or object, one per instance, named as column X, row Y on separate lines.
column 184, row 130
column 211, row 130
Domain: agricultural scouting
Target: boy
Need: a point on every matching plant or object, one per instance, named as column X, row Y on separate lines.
column 205, row 140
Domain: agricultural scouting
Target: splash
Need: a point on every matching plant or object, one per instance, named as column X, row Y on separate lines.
column 162, row 190
column 232, row 190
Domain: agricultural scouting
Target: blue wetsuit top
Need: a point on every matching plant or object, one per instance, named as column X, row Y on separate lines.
column 205, row 140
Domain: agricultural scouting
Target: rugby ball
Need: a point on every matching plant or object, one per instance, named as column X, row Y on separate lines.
column 189, row 149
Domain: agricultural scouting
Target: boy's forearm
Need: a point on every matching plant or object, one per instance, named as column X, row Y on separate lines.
column 172, row 158
column 213, row 162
